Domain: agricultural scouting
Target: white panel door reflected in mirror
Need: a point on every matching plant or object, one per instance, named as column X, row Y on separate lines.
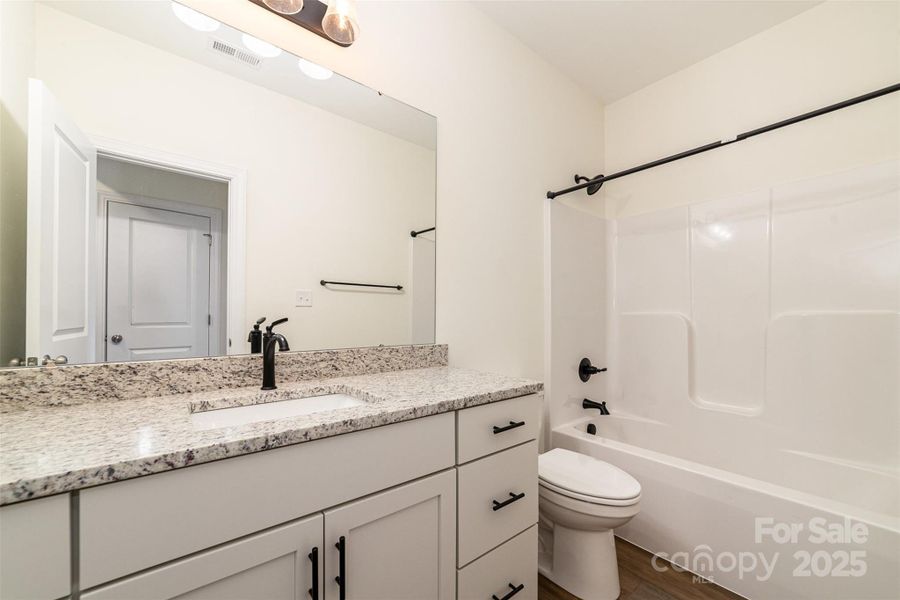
column 184, row 180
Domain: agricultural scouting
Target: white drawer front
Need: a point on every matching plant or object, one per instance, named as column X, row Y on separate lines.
column 34, row 549
column 511, row 567
column 132, row 525
column 514, row 421
column 496, row 478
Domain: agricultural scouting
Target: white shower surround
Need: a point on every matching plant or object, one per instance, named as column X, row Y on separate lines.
column 753, row 345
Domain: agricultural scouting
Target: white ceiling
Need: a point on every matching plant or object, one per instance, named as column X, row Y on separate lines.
column 615, row 47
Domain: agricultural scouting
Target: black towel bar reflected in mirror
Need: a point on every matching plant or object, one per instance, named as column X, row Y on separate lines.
column 371, row 285
column 416, row 233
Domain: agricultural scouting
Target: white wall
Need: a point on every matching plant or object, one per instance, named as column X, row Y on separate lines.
column 510, row 127
column 327, row 198
column 16, row 65
column 829, row 53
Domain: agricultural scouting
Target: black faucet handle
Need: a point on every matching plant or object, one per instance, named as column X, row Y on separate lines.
column 275, row 322
column 260, row 322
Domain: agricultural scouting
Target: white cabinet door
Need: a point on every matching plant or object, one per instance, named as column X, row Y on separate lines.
column 276, row 565
column 34, row 549
column 61, row 291
column 397, row 545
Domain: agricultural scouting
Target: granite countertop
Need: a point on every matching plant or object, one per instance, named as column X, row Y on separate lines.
column 49, row 450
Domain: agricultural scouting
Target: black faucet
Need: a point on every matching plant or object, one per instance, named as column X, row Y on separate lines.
column 601, row 406
column 268, row 352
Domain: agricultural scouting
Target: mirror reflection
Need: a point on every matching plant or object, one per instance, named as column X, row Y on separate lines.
column 168, row 181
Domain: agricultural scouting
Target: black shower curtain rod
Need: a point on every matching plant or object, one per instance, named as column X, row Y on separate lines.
column 596, row 182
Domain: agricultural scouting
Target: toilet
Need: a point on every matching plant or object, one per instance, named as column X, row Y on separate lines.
column 582, row 499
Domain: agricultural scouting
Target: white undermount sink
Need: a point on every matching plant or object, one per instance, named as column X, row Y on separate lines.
column 269, row 411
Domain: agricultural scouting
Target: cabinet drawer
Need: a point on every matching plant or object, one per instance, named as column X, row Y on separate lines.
column 483, row 485
column 275, row 564
column 34, row 549
column 132, row 525
column 503, row 570
column 483, row 430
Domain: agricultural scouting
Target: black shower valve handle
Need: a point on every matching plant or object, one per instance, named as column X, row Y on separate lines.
column 586, row 369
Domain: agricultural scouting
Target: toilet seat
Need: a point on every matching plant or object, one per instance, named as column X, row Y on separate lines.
column 587, row 479
column 588, row 499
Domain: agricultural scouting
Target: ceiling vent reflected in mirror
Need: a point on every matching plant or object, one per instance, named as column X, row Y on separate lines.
column 234, row 53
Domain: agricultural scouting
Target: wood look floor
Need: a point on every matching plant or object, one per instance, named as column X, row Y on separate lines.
column 640, row 581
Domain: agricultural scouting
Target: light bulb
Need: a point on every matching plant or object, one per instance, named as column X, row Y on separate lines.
column 340, row 21
column 285, row 7
column 257, row 46
column 193, row 19
column 311, row 69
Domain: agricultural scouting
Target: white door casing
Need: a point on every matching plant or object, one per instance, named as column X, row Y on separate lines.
column 235, row 340
column 62, row 263
column 158, row 268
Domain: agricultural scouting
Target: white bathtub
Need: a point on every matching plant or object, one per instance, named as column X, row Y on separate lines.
column 720, row 519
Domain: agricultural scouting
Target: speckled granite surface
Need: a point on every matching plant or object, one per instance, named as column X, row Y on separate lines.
column 46, row 450
column 76, row 384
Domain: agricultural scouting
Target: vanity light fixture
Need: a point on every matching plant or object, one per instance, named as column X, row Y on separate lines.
column 334, row 20
column 259, row 47
column 193, row 19
column 340, row 21
column 311, row 69
column 284, row 7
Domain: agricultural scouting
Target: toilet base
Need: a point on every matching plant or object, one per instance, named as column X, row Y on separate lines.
column 584, row 563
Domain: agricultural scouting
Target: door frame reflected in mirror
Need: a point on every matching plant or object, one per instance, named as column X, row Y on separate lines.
column 236, row 180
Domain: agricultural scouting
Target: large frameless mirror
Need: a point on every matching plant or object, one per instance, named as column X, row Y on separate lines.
column 169, row 180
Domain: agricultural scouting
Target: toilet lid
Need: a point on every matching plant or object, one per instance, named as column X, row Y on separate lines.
column 586, row 475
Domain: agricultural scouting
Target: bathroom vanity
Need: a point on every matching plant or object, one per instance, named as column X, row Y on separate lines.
column 425, row 488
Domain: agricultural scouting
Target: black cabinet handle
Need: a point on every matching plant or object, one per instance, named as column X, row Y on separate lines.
column 341, row 579
column 512, row 498
column 512, row 425
column 515, row 590
column 314, row 590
